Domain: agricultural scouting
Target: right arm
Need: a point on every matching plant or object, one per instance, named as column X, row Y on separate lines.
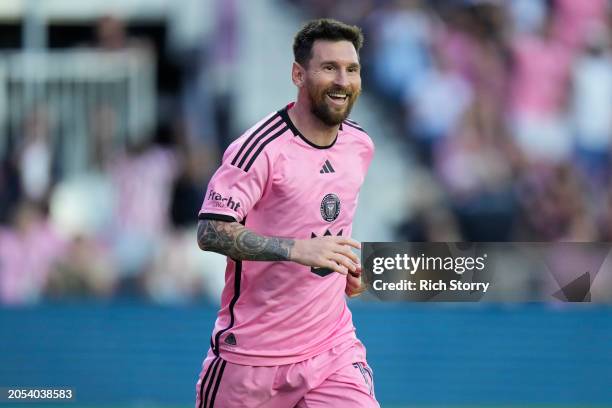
column 239, row 243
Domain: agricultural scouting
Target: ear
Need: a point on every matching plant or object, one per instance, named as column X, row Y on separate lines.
column 297, row 74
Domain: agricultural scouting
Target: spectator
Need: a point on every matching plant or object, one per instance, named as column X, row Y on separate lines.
column 540, row 80
column 436, row 103
column 574, row 20
column 28, row 251
column 85, row 270
column 592, row 107
column 400, row 36
column 188, row 190
column 142, row 180
column 475, row 168
column 35, row 156
column 10, row 188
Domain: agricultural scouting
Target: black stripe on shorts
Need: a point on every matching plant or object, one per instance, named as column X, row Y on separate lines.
column 214, row 394
column 204, row 381
column 215, row 365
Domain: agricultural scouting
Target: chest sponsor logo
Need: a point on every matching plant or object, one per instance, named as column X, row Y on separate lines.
column 323, row 271
column 330, row 207
column 219, row 201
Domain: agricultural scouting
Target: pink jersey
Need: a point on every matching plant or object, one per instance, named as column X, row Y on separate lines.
column 279, row 184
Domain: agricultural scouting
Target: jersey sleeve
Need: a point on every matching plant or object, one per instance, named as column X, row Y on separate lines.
column 367, row 154
column 232, row 192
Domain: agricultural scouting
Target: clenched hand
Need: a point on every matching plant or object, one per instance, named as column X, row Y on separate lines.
column 354, row 284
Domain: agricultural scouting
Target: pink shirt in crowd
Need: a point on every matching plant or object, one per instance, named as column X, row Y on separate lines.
column 575, row 18
column 540, row 80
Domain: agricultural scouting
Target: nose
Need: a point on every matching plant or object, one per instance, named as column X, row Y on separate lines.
column 341, row 78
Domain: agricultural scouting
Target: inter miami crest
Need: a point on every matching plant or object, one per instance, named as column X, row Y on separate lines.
column 330, row 207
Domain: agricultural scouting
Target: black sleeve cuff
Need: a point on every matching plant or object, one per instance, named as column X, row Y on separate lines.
column 217, row 217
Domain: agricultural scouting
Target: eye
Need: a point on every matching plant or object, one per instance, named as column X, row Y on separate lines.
column 329, row 68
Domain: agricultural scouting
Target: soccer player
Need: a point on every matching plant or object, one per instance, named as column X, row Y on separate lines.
column 281, row 207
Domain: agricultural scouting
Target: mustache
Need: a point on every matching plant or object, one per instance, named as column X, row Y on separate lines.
column 348, row 91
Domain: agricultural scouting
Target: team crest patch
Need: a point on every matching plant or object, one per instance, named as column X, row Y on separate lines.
column 330, row 207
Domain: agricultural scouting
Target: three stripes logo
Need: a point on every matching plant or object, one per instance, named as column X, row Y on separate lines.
column 209, row 385
column 327, row 168
column 367, row 376
column 252, row 147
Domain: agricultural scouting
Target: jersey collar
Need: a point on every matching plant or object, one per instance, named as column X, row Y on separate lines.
column 285, row 115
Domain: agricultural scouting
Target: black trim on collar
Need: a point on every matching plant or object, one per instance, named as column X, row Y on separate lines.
column 285, row 116
column 354, row 126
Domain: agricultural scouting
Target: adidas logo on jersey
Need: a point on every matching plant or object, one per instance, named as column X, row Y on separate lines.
column 327, row 168
column 231, row 339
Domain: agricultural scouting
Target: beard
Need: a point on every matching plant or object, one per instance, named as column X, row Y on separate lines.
column 323, row 111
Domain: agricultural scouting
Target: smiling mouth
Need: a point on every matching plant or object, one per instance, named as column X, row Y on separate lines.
column 338, row 98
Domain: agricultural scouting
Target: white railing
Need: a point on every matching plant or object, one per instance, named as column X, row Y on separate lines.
column 71, row 86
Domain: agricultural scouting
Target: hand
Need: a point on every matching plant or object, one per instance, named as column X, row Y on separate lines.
column 354, row 284
column 327, row 252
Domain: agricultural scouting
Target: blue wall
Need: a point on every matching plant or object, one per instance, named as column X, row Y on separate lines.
column 420, row 353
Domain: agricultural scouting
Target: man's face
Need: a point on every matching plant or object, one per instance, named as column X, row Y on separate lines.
column 332, row 80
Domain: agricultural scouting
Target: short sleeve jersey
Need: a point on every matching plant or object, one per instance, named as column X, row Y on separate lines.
column 277, row 183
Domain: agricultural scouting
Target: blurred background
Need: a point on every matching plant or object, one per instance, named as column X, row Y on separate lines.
column 492, row 122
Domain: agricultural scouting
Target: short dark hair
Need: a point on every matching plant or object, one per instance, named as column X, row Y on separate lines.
column 323, row 29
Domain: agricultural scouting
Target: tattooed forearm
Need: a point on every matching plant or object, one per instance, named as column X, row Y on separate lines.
column 250, row 246
column 237, row 242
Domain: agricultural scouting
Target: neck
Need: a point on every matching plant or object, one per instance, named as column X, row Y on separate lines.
column 310, row 126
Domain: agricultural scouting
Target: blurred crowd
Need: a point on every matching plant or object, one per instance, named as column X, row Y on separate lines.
column 508, row 107
column 125, row 224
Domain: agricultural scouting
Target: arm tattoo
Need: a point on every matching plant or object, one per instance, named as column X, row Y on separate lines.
column 237, row 242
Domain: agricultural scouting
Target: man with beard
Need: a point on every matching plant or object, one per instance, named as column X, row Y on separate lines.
column 281, row 208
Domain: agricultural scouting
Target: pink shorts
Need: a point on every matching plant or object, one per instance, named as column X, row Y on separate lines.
column 339, row 377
